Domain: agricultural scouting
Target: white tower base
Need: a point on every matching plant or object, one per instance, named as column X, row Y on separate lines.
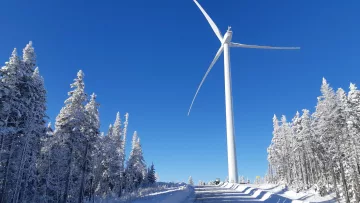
column 231, row 148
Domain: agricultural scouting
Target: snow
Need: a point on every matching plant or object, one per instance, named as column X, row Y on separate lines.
column 160, row 193
column 281, row 192
column 255, row 193
column 224, row 192
column 180, row 194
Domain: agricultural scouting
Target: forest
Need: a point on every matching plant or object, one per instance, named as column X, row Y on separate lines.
column 74, row 162
column 320, row 150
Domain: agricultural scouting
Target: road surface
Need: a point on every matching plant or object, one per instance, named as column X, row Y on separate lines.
column 212, row 194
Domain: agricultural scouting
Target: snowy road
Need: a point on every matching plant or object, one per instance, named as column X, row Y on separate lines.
column 204, row 194
column 227, row 192
column 212, row 194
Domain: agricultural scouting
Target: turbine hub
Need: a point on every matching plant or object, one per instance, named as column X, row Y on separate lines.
column 228, row 36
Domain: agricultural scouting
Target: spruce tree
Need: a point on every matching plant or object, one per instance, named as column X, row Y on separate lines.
column 151, row 174
column 22, row 114
column 91, row 132
column 115, row 162
column 69, row 129
column 136, row 166
column 10, row 114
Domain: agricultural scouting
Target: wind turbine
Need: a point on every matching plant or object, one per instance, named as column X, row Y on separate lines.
column 226, row 44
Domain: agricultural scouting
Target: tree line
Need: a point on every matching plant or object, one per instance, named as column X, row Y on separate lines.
column 321, row 149
column 75, row 162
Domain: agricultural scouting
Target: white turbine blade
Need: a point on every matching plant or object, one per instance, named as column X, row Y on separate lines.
column 207, row 72
column 211, row 22
column 259, row 47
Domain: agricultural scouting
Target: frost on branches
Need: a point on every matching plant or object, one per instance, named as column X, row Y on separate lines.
column 322, row 149
column 72, row 163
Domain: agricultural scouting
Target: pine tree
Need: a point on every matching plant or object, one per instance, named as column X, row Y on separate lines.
column 103, row 186
column 273, row 153
column 10, row 114
column 22, row 114
column 296, row 158
column 306, row 140
column 151, row 174
column 352, row 144
column 97, row 168
column 123, row 155
column 36, row 104
column 115, row 162
column 91, row 132
column 72, row 139
column 136, row 167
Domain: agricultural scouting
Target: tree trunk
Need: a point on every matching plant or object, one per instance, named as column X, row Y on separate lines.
column 306, row 180
column 67, row 183
column 20, row 170
column 311, row 172
column 301, row 169
column 356, row 184
column 3, row 140
column 344, row 182
column 91, row 195
column 270, row 174
column 335, row 184
column 48, row 176
column 355, row 164
column 7, row 165
column 81, row 193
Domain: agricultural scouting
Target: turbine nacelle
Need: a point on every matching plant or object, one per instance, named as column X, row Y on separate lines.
column 228, row 36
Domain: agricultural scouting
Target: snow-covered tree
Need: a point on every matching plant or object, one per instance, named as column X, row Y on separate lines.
column 10, row 115
column 136, row 167
column 104, row 157
column 70, row 130
column 115, row 154
column 151, row 178
column 322, row 149
column 91, row 132
column 190, row 181
column 72, row 163
column 352, row 153
column 22, row 113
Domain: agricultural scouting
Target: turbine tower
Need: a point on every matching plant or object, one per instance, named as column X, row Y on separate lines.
column 226, row 44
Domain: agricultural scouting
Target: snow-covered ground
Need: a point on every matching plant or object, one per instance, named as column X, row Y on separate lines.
column 275, row 193
column 180, row 194
column 306, row 196
column 227, row 192
column 159, row 193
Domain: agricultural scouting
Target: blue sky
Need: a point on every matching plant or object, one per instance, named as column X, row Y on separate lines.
column 147, row 58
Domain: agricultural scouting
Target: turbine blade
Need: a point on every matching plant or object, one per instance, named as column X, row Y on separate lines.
column 211, row 22
column 207, row 72
column 259, row 47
